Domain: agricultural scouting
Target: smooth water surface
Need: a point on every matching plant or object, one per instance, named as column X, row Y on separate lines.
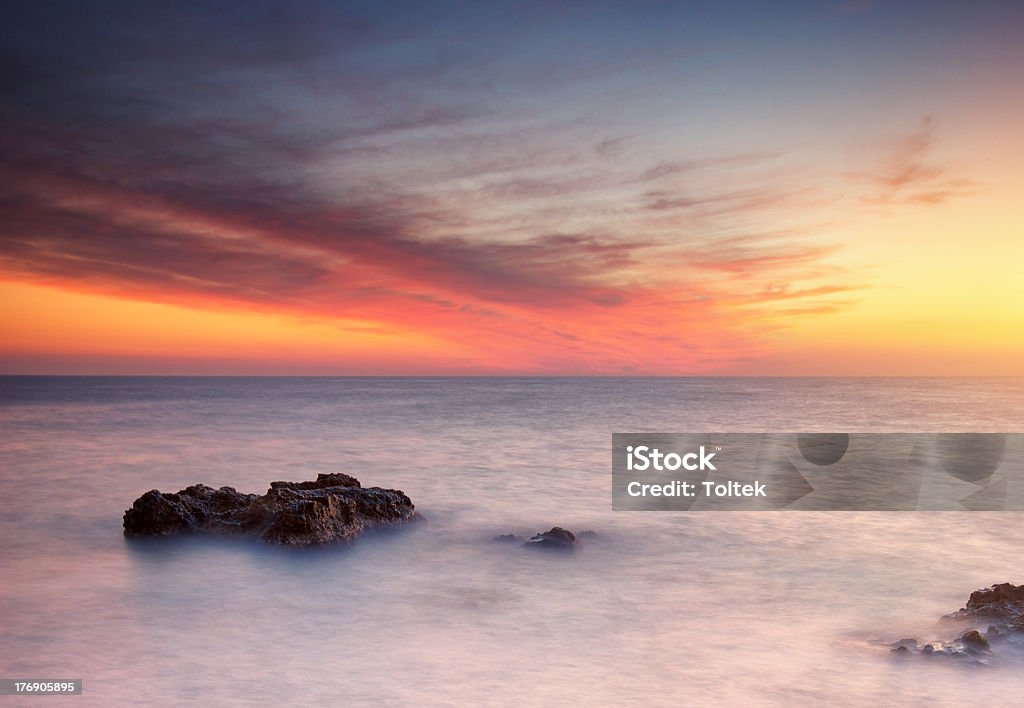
column 665, row 608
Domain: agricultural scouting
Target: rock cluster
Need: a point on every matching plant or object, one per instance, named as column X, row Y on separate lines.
column 997, row 614
column 335, row 507
column 972, row 646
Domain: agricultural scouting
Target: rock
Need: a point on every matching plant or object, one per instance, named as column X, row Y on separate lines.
column 905, row 646
column 975, row 640
column 505, row 538
column 555, row 539
column 335, row 507
column 1002, row 604
column 335, row 479
column 195, row 508
column 970, row 651
column 1003, row 601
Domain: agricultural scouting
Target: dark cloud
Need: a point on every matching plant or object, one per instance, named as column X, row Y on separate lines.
column 67, row 244
column 217, row 115
column 280, row 244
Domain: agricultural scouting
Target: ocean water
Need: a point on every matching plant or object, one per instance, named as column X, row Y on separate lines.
column 739, row 608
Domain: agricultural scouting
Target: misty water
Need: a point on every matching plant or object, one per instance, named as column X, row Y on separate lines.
column 744, row 608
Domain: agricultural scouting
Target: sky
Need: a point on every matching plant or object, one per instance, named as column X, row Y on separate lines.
column 512, row 188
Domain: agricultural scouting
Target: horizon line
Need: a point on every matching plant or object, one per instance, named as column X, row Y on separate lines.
column 514, row 376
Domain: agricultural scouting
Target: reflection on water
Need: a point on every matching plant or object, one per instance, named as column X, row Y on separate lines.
column 742, row 608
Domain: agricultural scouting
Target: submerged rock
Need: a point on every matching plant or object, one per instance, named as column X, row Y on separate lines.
column 506, row 538
column 555, row 539
column 335, row 507
column 998, row 609
column 972, row 647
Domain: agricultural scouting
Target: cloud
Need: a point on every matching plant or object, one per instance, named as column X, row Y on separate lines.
column 754, row 254
column 910, row 173
column 340, row 162
column 290, row 248
column 675, row 167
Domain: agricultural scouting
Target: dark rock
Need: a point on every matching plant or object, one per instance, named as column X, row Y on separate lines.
column 333, row 508
column 195, row 508
column 335, row 479
column 959, row 649
column 1000, row 609
column 973, row 639
column 556, row 539
column 1003, row 601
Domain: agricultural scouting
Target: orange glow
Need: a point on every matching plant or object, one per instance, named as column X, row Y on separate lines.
column 880, row 287
column 41, row 321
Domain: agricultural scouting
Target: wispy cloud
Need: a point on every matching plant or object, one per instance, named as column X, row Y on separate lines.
column 344, row 162
column 911, row 173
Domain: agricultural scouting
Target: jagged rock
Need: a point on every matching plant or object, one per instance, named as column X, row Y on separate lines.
column 1004, row 601
column 335, row 507
column 335, row 479
column 556, row 539
column 195, row 508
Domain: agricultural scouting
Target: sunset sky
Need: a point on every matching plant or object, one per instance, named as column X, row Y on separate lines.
column 512, row 188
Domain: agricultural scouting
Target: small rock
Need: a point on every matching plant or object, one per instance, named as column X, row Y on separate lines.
column 974, row 640
column 557, row 539
column 905, row 645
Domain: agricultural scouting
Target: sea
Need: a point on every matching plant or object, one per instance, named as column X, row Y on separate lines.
column 660, row 609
